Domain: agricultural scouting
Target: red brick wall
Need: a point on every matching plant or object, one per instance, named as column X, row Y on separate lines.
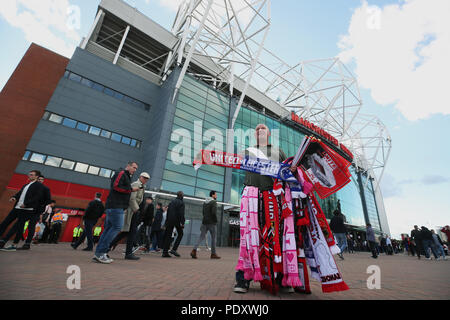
column 22, row 104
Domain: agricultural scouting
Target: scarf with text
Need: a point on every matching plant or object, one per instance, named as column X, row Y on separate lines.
column 319, row 257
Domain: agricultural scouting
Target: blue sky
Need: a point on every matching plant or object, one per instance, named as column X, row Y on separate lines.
column 398, row 50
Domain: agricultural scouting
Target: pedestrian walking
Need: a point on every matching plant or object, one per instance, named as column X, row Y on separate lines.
column 446, row 231
column 371, row 239
column 118, row 200
column 147, row 216
column 46, row 216
column 416, row 236
column 438, row 245
column 55, row 227
column 132, row 218
column 339, row 230
column 175, row 219
column 77, row 231
column 28, row 201
column 209, row 223
column 427, row 242
column 156, row 230
column 92, row 213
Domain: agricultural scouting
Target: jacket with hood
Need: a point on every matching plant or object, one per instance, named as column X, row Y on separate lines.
column 209, row 211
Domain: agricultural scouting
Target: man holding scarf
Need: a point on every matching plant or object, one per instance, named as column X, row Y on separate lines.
column 255, row 185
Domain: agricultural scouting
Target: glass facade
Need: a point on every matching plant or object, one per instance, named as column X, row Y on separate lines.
column 370, row 203
column 351, row 205
column 201, row 108
column 200, row 113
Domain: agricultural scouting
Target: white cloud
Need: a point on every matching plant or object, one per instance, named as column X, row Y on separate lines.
column 45, row 22
column 171, row 4
column 402, row 54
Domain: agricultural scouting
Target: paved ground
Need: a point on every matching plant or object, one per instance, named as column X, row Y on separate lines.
column 41, row 273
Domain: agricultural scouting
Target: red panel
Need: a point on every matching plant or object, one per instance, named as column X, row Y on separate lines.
column 82, row 192
column 61, row 188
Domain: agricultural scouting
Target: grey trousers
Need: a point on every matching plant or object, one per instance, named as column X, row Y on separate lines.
column 203, row 230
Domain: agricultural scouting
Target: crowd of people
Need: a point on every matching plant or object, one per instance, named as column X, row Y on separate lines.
column 127, row 214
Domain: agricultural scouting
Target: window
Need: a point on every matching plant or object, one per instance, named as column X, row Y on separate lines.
column 126, row 140
column 138, row 144
column 94, row 130
column 109, row 92
column 127, row 99
column 118, row 95
column 133, row 143
column 67, row 164
column 82, row 126
column 105, row 134
column 105, row 173
column 116, row 137
column 37, row 157
column 26, row 155
column 46, row 115
column 53, row 161
column 75, row 77
column 66, row 74
column 98, row 87
column 69, row 123
column 87, row 83
column 93, row 170
column 55, row 118
column 81, row 167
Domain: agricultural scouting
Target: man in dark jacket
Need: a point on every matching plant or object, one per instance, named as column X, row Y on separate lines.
column 93, row 212
column 147, row 214
column 339, row 231
column 175, row 219
column 28, row 202
column 209, row 223
column 117, row 201
column 416, row 237
column 427, row 242
column 157, row 231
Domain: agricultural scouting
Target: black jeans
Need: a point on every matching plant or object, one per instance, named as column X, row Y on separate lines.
column 54, row 232
column 17, row 229
column 372, row 246
column 168, row 236
column 88, row 226
column 131, row 235
column 12, row 215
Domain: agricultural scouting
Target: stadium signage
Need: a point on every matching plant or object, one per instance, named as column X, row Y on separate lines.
column 325, row 135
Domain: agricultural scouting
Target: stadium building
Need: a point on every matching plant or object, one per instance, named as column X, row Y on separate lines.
column 136, row 91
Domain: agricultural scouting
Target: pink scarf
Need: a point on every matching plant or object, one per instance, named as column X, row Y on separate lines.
column 249, row 246
column 290, row 266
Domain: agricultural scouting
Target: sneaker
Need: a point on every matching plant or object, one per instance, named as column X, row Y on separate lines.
column 240, row 289
column 166, row 255
column 131, row 257
column 429, row 258
column 73, row 246
column 102, row 259
column 214, row 256
column 439, row 258
column 24, row 247
column 10, row 248
column 174, row 253
column 194, row 254
column 135, row 249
